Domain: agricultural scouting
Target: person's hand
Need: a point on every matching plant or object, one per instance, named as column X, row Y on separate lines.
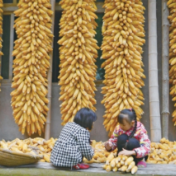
column 107, row 146
column 127, row 152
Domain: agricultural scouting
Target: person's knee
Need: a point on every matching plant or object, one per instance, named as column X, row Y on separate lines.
column 133, row 143
column 123, row 138
column 121, row 142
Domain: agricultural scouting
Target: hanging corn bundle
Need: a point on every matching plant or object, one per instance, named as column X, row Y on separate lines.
column 1, row 31
column 78, row 53
column 123, row 34
column 172, row 53
column 31, row 64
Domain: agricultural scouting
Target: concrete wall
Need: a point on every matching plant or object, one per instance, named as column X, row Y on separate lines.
column 9, row 130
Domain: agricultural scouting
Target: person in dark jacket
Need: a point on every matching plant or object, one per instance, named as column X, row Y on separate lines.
column 73, row 143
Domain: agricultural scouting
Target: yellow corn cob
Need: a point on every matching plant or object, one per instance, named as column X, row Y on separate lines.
column 123, row 168
column 78, row 53
column 108, row 168
column 113, row 163
column 129, row 160
column 134, row 170
column 172, row 50
column 31, row 64
column 131, row 165
column 123, row 34
column 1, row 32
column 109, row 158
column 115, row 169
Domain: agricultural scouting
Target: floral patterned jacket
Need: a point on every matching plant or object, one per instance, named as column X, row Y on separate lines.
column 140, row 135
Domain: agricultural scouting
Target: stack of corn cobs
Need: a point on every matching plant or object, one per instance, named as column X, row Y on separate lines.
column 31, row 64
column 163, row 152
column 1, row 31
column 78, row 53
column 123, row 34
column 36, row 146
column 172, row 52
column 120, row 163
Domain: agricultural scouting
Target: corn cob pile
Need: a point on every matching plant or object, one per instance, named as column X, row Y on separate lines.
column 172, row 53
column 100, row 153
column 36, row 146
column 120, row 163
column 1, row 31
column 123, row 34
column 78, row 53
column 163, row 152
column 31, row 64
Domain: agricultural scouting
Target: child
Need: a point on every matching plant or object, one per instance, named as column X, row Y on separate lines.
column 73, row 143
column 130, row 137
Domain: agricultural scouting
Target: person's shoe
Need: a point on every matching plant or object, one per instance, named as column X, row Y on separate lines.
column 141, row 164
column 76, row 167
column 81, row 166
column 86, row 166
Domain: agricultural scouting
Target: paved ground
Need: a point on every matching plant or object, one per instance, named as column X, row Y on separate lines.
column 46, row 169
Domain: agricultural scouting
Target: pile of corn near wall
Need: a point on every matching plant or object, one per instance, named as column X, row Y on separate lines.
column 172, row 53
column 123, row 38
column 31, row 64
column 78, row 53
column 36, row 146
column 163, row 152
column 1, row 31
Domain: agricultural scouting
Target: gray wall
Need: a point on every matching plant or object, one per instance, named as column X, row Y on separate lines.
column 9, row 130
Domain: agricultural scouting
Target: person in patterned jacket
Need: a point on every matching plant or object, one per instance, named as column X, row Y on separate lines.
column 130, row 138
column 73, row 143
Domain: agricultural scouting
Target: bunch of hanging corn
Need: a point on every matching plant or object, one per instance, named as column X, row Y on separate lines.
column 120, row 163
column 1, row 31
column 172, row 53
column 123, row 34
column 31, row 64
column 78, row 53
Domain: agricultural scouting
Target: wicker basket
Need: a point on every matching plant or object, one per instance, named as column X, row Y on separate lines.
column 10, row 158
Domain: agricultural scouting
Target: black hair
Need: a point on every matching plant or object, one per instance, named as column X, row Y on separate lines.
column 85, row 118
column 131, row 116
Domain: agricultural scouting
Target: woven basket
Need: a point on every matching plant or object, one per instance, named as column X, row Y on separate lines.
column 10, row 158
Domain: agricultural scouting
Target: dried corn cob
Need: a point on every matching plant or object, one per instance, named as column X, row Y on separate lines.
column 78, row 53
column 123, row 34
column 31, row 64
column 172, row 53
column 1, row 31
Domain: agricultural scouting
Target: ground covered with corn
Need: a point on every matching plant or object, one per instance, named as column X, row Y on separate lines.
column 161, row 153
